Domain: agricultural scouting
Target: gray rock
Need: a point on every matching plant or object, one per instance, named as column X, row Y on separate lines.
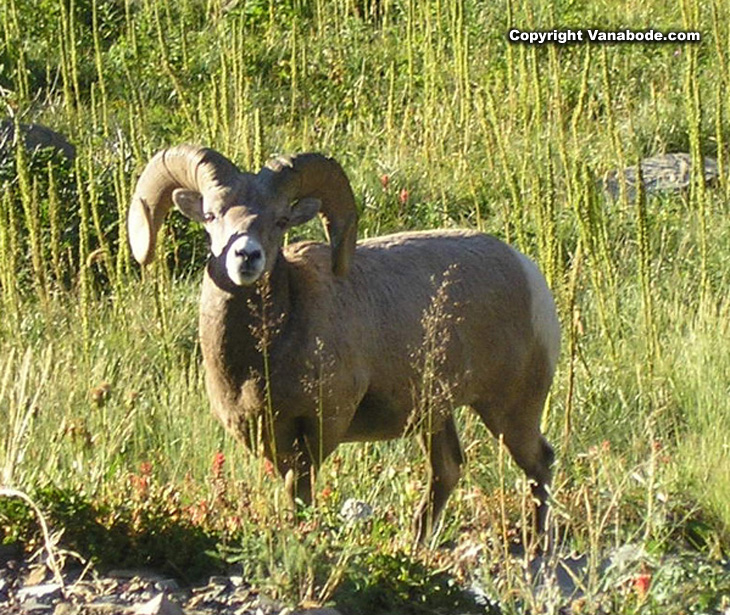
column 159, row 605
column 568, row 575
column 10, row 553
column 355, row 510
column 219, row 581
column 44, row 593
column 665, row 173
column 35, row 606
column 135, row 573
column 36, row 575
column 167, row 585
column 83, row 591
column 36, row 136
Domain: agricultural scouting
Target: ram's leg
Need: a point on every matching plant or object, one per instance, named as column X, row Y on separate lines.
column 299, row 476
column 283, row 446
column 532, row 452
column 445, row 460
column 519, row 427
column 302, row 446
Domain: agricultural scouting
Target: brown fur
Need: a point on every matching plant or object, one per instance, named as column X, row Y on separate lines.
column 314, row 345
column 343, row 355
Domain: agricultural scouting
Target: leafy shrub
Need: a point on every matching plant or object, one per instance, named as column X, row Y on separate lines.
column 151, row 532
column 397, row 583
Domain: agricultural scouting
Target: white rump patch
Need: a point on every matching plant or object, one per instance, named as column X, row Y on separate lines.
column 544, row 317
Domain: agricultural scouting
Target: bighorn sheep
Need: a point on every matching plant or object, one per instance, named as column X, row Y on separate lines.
column 350, row 317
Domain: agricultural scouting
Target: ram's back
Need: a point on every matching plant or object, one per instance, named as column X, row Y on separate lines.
column 455, row 316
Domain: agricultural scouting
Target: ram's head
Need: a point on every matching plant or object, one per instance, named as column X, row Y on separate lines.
column 245, row 215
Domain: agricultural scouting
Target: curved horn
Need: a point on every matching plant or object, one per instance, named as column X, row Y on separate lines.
column 315, row 175
column 184, row 166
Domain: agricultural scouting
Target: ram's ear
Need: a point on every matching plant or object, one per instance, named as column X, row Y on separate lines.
column 189, row 202
column 303, row 211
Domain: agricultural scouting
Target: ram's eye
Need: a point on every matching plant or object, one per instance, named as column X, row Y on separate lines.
column 283, row 222
column 208, row 216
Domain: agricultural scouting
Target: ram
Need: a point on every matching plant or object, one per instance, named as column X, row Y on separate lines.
column 310, row 345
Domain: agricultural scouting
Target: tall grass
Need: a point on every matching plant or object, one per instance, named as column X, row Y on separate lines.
column 439, row 121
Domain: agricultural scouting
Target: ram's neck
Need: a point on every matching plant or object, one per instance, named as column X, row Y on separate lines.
column 236, row 325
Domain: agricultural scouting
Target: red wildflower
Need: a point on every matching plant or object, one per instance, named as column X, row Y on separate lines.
column 140, row 486
column 198, row 512
column 269, row 467
column 403, row 196
column 641, row 584
column 218, row 460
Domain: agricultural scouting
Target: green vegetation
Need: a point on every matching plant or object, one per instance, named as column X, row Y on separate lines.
column 438, row 121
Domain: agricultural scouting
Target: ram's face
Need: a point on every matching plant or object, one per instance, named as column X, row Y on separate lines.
column 245, row 225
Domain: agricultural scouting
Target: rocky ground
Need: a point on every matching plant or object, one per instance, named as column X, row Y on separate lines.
column 32, row 589
column 28, row 588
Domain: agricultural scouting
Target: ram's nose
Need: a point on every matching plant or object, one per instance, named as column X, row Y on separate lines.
column 245, row 261
column 249, row 256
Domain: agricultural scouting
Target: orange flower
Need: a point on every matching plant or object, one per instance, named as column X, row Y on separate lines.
column 385, row 180
column 140, row 486
column 403, row 196
column 219, row 459
column 198, row 512
column 641, row 584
